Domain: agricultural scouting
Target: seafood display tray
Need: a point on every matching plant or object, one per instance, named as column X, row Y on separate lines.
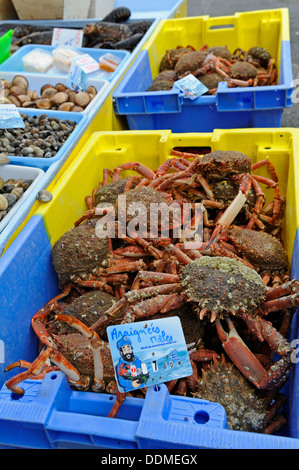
column 14, row 62
column 103, row 120
column 240, row 107
column 24, row 172
column 37, row 80
column 50, row 414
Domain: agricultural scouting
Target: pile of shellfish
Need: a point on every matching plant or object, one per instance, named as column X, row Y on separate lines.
column 212, row 65
column 11, row 191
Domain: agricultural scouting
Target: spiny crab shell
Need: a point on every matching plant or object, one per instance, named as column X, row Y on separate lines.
column 243, row 70
column 189, row 62
column 109, row 193
column 170, row 59
column 262, row 250
column 211, row 80
column 261, row 54
column 77, row 350
column 220, row 51
column 220, row 163
column 143, row 195
column 222, row 285
column 87, row 308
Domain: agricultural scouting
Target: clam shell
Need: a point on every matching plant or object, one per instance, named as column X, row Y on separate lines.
column 11, row 198
column 19, row 80
column 44, row 195
column 18, row 192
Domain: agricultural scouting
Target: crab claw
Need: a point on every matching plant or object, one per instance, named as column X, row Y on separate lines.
column 228, row 216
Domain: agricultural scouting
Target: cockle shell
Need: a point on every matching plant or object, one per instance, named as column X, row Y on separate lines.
column 44, row 195
column 4, row 159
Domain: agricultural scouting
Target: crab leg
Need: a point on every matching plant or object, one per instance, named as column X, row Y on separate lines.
column 111, row 313
column 270, row 167
column 229, row 215
column 260, row 198
column 120, row 398
column 277, row 196
column 141, row 169
column 283, row 289
column 33, row 369
column 176, row 163
column 150, row 307
column 37, row 367
column 140, row 294
column 95, row 284
column 37, row 321
column 281, row 304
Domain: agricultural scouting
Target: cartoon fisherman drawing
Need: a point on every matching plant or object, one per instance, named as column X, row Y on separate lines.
column 131, row 372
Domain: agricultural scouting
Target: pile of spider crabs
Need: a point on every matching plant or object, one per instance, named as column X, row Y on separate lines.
column 231, row 290
column 212, row 65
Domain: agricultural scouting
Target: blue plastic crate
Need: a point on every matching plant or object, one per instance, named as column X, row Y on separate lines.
column 154, row 9
column 230, row 108
column 14, row 62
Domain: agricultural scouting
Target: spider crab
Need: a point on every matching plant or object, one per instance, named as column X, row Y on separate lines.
column 218, row 288
column 235, row 167
column 75, row 350
column 80, row 257
column 258, row 57
column 261, row 250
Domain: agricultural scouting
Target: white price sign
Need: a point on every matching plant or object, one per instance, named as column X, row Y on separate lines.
column 67, row 37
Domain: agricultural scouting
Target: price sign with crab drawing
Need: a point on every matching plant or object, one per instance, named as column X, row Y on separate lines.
column 148, row 353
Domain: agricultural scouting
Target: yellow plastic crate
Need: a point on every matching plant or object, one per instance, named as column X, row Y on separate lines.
column 29, row 281
column 110, row 149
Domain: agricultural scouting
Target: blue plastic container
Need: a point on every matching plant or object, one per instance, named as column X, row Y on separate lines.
column 14, row 62
column 44, row 163
column 230, row 108
column 154, row 9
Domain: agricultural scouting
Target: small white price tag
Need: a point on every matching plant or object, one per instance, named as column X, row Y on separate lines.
column 67, row 37
column 148, row 353
column 10, row 117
